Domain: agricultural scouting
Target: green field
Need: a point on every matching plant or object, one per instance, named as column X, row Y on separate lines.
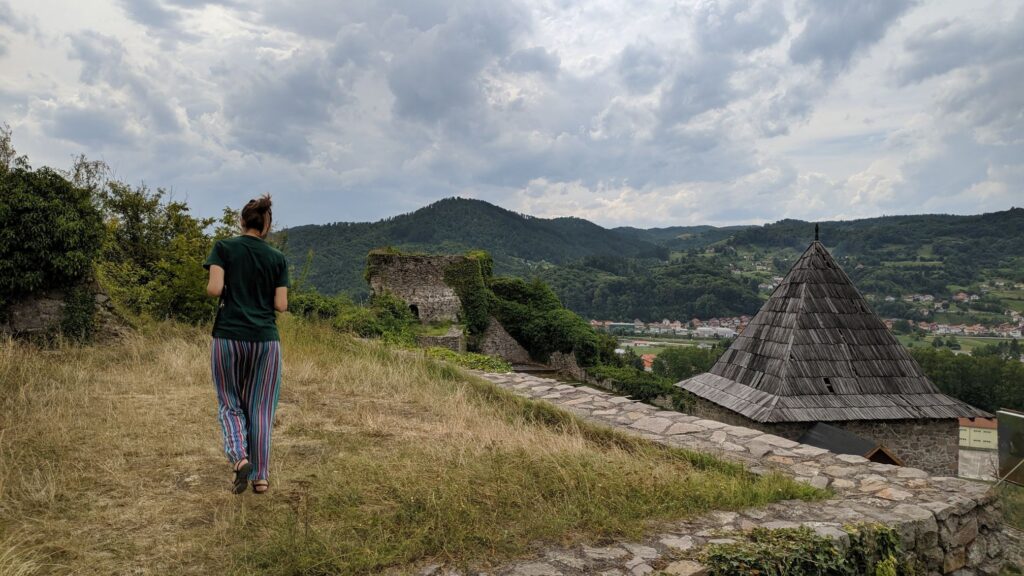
column 662, row 344
column 967, row 343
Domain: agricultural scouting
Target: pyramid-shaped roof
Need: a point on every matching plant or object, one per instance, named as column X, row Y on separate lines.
column 816, row 352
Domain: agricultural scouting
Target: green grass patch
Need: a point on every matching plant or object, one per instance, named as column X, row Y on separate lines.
column 1012, row 498
column 433, row 329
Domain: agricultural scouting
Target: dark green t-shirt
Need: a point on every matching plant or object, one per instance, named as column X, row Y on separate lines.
column 253, row 270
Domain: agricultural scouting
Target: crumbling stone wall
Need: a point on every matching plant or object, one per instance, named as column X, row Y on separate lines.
column 931, row 445
column 41, row 314
column 419, row 281
column 566, row 364
column 496, row 341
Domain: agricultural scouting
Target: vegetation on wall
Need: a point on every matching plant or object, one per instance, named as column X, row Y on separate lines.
column 468, row 278
column 874, row 550
column 387, row 317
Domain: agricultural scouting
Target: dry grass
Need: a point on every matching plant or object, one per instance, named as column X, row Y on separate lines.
column 111, row 463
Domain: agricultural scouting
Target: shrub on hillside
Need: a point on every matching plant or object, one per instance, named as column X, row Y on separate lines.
column 153, row 254
column 51, row 231
column 533, row 315
column 387, row 317
column 312, row 304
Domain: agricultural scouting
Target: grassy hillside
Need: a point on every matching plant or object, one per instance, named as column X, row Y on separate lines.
column 110, row 462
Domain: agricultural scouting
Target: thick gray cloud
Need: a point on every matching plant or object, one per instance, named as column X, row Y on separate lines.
column 437, row 79
column 151, row 13
column 739, row 26
column 104, row 67
column 834, row 31
column 642, row 67
column 274, row 105
column 647, row 113
column 535, row 59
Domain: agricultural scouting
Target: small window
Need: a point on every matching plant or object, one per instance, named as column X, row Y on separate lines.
column 415, row 310
column 828, row 384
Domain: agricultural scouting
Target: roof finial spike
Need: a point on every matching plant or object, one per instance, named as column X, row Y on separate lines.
column 815, row 232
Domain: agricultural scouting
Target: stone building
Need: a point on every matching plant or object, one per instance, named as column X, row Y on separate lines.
column 419, row 281
column 815, row 352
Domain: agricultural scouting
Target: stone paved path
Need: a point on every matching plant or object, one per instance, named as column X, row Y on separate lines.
column 949, row 524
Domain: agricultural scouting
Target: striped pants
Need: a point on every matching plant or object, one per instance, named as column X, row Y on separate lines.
column 247, row 376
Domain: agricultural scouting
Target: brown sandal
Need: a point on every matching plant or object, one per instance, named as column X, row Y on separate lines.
column 260, row 486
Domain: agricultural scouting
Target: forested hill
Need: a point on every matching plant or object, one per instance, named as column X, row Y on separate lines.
column 516, row 241
column 903, row 254
column 676, row 272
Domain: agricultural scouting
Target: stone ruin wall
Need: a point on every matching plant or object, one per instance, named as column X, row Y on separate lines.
column 41, row 314
column 419, row 281
column 932, row 445
column 453, row 340
column 496, row 341
column 948, row 525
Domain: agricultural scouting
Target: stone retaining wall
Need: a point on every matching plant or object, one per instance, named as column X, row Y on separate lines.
column 932, row 445
column 948, row 525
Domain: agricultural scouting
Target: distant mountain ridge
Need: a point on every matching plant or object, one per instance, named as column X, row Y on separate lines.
column 457, row 225
column 676, row 271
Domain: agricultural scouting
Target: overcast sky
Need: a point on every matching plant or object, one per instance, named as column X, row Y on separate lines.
column 644, row 113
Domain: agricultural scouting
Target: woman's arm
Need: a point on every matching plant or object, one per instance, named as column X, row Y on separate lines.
column 281, row 299
column 215, row 286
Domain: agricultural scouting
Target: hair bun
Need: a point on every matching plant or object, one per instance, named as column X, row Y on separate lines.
column 262, row 203
column 256, row 213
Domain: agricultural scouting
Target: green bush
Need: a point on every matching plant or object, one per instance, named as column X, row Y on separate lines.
column 643, row 386
column 50, row 231
column 532, row 314
column 153, row 254
column 470, row 360
column 387, row 317
column 312, row 304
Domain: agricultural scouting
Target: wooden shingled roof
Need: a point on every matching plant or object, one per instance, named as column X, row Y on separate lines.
column 816, row 352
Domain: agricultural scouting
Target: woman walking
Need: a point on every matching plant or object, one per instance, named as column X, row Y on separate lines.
column 251, row 279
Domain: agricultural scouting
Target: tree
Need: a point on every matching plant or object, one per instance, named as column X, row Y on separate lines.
column 682, row 362
column 901, row 327
column 50, row 230
column 153, row 253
